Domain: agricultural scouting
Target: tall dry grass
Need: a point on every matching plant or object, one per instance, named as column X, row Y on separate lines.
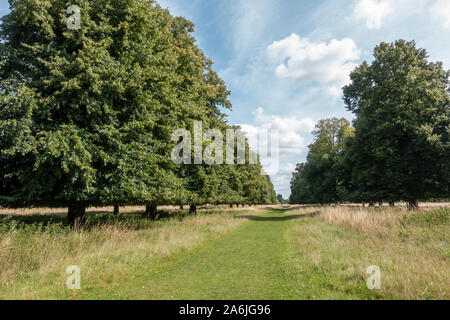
column 411, row 248
column 33, row 258
column 364, row 220
column 127, row 209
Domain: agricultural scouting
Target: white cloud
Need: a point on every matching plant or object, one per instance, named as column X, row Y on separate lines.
column 290, row 129
column 329, row 65
column 282, row 179
column 249, row 20
column 373, row 12
column 441, row 9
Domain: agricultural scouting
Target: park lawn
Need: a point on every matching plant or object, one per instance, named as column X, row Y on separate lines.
column 250, row 262
column 34, row 256
column 333, row 251
column 305, row 253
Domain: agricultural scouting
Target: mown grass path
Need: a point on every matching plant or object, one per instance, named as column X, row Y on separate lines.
column 248, row 263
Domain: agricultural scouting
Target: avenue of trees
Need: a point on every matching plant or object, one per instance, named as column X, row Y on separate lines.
column 86, row 115
column 281, row 200
column 398, row 148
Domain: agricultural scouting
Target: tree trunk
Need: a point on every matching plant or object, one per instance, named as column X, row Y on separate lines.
column 77, row 216
column 380, row 204
column 231, row 206
column 116, row 210
column 364, row 204
column 151, row 212
column 371, row 204
column 181, row 207
column 193, row 209
column 392, row 204
column 413, row 205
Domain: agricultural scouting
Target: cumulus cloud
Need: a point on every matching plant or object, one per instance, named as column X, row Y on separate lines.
column 294, row 134
column 373, row 12
column 441, row 9
column 282, row 179
column 328, row 64
column 291, row 140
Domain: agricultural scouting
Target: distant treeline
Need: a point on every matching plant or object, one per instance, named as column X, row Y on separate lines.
column 398, row 148
column 87, row 114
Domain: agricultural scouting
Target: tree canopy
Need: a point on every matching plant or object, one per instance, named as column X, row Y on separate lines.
column 399, row 150
column 86, row 115
column 316, row 181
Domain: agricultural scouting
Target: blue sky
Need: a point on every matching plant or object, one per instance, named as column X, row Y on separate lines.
column 286, row 60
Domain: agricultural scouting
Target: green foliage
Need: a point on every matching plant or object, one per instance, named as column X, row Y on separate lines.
column 86, row 116
column 428, row 219
column 281, row 200
column 317, row 181
column 401, row 147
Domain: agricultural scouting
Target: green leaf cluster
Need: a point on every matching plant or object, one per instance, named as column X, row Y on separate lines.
column 399, row 149
column 86, row 115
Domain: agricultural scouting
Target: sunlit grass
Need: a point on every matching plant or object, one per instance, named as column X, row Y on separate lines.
column 34, row 256
column 334, row 250
column 304, row 252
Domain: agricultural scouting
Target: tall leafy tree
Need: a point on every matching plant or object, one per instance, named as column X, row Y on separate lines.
column 317, row 181
column 86, row 115
column 94, row 106
column 401, row 146
column 300, row 193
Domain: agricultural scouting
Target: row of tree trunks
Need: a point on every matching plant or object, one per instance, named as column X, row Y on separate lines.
column 77, row 213
column 151, row 212
column 413, row 205
column 77, row 216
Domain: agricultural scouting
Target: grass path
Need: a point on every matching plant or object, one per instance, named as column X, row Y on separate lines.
column 278, row 254
column 247, row 263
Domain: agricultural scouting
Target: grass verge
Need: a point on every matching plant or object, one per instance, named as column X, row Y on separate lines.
column 333, row 250
column 34, row 255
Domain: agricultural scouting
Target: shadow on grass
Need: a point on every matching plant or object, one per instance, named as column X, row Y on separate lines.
column 45, row 219
column 280, row 219
column 135, row 220
column 280, row 210
column 93, row 219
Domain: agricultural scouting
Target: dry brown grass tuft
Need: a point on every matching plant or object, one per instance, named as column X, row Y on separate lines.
column 364, row 220
column 411, row 248
column 127, row 209
column 33, row 260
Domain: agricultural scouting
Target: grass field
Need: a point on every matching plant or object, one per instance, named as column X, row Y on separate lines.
column 252, row 253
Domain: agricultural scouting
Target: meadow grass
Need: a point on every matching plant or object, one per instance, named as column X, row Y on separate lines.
column 36, row 250
column 333, row 250
column 247, row 253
